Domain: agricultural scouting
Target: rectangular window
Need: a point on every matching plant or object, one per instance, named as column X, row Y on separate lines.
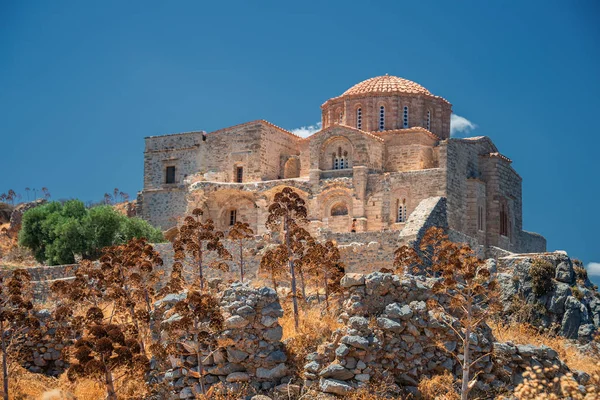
column 480, row 218
column 170, row 175
column 232, row 217
column 239, row 174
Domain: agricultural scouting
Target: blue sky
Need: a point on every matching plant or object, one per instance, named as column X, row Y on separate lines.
column 82, row 83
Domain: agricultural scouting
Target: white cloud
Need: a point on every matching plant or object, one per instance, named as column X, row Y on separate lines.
column 593, row 268
column 460, row 125
column 306, row 131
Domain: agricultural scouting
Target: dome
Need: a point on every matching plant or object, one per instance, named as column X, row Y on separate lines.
column 386, row 84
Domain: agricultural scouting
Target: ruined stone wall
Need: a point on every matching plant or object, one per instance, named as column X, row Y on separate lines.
column 251, row 354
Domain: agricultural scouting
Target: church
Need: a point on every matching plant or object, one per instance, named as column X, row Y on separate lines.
column 384, row 149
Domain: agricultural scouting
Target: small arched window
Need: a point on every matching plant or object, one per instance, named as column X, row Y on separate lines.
column 232, row 217
column 341, row 117
column 428, row 120
column 359, row 118
column 405, row 117
column 401, row 210
column 381, row 118
column 480, row 218
column 504, row 220
column 339, row 209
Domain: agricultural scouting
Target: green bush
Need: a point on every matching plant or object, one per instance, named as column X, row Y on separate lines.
column 542, row 276
column 57, row 232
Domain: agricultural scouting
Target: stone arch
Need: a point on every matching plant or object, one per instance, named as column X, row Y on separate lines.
column 291, row 168
column 337, row 148
column 336, row 209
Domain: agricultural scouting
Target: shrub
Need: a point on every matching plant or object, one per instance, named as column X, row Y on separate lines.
column 542, row 276
column 56, row 232
column 578, row 294
column 438, row 387
column 580, row 272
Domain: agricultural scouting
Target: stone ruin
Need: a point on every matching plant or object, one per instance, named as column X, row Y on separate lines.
column 253, row 355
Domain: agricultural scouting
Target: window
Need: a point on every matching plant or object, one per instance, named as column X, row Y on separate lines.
column 340, row 159
column 504, row 220
column 401, row 210
column 480, row 218
column 381, row 118
column 170, row 175
column 359, row 118
column 405, row 117
column 239, row 174
column 232, row 217
column 339, row 209
column 428, row 120
column 341, row 117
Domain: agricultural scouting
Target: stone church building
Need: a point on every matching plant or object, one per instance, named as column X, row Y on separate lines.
column 384, row 149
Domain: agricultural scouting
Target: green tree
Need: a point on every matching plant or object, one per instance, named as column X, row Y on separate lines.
column 57, row 232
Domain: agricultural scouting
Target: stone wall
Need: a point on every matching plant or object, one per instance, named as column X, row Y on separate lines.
column 251, row 354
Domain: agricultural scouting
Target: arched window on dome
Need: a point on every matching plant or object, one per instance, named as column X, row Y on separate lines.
column 405, row 117
column 428, row 125
column 381, row 118
column 359, row 118
column 401, row 210
column 341, row 117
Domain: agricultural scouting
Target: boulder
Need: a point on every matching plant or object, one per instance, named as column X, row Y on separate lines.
column 334, row 386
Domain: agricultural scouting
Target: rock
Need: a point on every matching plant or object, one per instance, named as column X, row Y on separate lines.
column 260, row 397
column 358, row 323
column 277, row 356
column 288, row 389
column 565, row 272
column 352, row 279
column 236, row 322
column 277, row 372
column 238, row 377
column 390, row 325
column 312, row 367
column 395, row 310
column 268, row 321
column 334, row 386
column 235, row 355
column 186, row 393
column 571, row 319
column 273, row 334
column 225, row 369
column 356, row 341
column 336, row 371
column 341, row 351
column 362, row 377
column 246, row 312
column 170, row 299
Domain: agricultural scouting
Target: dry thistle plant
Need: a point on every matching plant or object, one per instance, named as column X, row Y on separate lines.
column 542, row 383
column 471, row 291
column 287, row 212
column 239, row 233
column 195, row 330
column 103, row 349
column 273, row 263
column 325, row 267
column 16, row 318
column 195, row 238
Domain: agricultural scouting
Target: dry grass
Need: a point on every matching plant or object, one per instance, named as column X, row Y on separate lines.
column 527, row 334
column 24, row 385
column 538, row 386
column 316, row 327
column 438, row 387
